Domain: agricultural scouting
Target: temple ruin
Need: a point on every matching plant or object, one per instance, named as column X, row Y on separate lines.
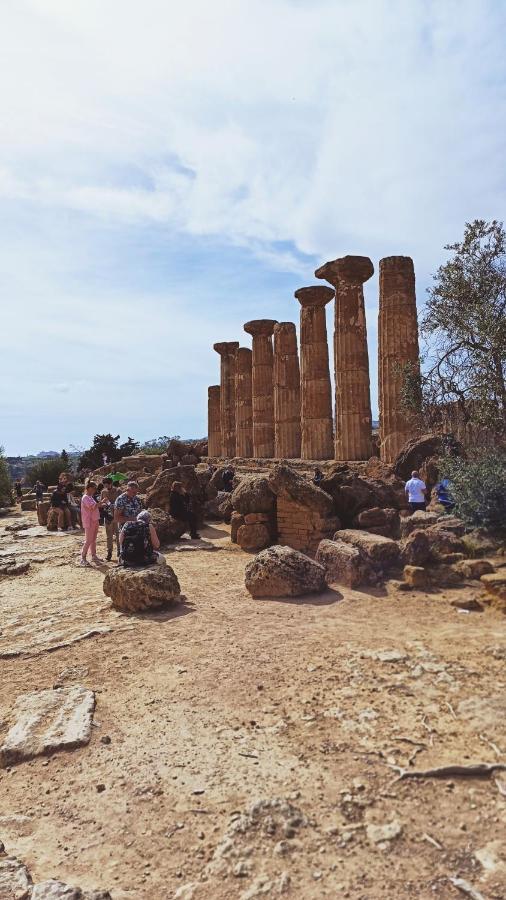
column 270, row 407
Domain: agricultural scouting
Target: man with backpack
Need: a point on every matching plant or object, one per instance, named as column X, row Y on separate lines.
column 139, row 543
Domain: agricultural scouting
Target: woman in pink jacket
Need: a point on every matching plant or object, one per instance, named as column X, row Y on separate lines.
column 90, row 515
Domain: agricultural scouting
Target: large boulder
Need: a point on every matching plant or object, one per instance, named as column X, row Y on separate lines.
column 141, row 590
column 416, row 549
column 378, row 552
column 495, row 590
column 343, row 563
column 286, row 483
column 419, row 519
column 236, row 521
column 167, row 528
column 451, row 523
column 283, row 572
column 158, row 495
column 379, row 521
column 253, row 537
column 253, row 495
column 443, row 542
column 354, row 493
column 15, row 880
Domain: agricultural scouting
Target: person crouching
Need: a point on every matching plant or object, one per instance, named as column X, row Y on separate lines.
column 139, row 543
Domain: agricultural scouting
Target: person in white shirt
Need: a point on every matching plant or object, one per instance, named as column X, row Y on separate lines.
column 416, row 489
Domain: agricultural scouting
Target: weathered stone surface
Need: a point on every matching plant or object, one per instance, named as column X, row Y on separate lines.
column 236, row 521
column 261, row 331
column 212, row 508
column 381, row 553
column 354, row 493
column 255, row 518
column 397, row 348
column 286, row 482
column 481, row 542
column 474, row 568
column 416, row 452
column 316, row 391
column 52, row 519
column 351, row 357
column 42, row 511
column 416, row 549
column 57, row 890
column 158, row 496
column 141, row 590
column 416, row 577
column 167, row 528
column 15, row 880
column 43, row 722
column 28, row 505
column 283, row 572
column 243, row 403
column 253, row 538
column 379, row 521
column 287, row 426
column 443, row 542
column 214, row 420
column 495, row 590
column 225, row 508
column 470, row 604
column 253, row 495
column 343, row 563
column 227, row 351
column 419, row 519
column 19, row 569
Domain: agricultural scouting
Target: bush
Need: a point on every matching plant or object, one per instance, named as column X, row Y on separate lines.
column 5, row 481
column 47, row 470
column 478, row 487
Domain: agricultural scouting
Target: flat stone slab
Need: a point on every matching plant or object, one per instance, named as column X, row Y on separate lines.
column 44, row 722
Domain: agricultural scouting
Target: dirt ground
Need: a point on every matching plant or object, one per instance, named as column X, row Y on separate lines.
column 250, row 745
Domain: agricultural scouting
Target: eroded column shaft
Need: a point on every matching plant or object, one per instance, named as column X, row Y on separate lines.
column 287, row 428
column 243, row 403
column 227, row 351
column 316, row 393
column 213, row 421
column 262, row 387
column 397, row 349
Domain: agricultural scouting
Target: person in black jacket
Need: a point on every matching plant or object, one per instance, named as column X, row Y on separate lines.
column 180, row 508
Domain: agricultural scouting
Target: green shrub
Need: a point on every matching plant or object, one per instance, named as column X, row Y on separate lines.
column 47, row 470
column 478, row 487
column 5, row 481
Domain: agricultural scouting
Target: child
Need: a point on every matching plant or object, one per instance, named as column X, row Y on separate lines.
column 90, row 515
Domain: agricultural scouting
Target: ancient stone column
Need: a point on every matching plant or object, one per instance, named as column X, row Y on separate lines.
column 243, row 403
column 316, row 393
column 397, row 349
column 351, row 357
column 287, row 432
column 227, row 396
column 262, row 387
column 213, row 421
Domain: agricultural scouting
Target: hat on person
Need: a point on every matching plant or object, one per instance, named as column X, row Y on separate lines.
column 144, row 516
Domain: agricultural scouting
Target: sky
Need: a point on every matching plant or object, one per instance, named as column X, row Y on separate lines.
column 171, row 170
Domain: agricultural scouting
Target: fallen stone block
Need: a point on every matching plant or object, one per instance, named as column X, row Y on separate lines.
column 44, row 722
column 381, row 553
column 416, row 577
column 495, row 590
column 470, row 604
column 418, row 520
column 254, row 537
column 474, row 568
column 416, row 549
column 343, row 563
column 283, row 572
column 142, row 590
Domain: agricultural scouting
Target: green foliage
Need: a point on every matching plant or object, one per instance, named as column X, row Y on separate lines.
column 5, row 481
column 46, row 470
column 158, row 445
column 65, row 461
column 478, row 487
column 464, row 326
column 108, row 444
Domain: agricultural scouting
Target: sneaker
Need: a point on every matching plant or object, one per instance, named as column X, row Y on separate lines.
column 96, row 559
column 83, row 562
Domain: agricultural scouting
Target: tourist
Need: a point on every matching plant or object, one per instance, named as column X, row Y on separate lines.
column 139, row 543
column 318, row 477
column 90, row 515
column 60, row 503
column 444, row 496
column 19, row 490
column 74, row 506
column 127, row 506
column 109, row 495
column 180, row 508
column 39, row 491
column 416, row 489
column 228, row 477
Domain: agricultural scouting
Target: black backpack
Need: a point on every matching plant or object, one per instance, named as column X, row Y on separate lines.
column 136, row 547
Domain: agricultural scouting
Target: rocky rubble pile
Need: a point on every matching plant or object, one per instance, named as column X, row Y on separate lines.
column 16, row 883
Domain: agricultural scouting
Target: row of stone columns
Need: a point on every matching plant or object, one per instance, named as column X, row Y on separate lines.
column 265, row 408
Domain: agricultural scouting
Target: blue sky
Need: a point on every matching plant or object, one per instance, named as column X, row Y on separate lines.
column 169, row 171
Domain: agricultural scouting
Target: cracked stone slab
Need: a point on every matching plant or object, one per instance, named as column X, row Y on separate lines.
column 44, row 722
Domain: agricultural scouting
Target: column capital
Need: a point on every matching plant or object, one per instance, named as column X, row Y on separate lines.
column 213, row 390
column 260, row 326
column 402, row 264
column 353, row 269
column 225, row 348
column 315, row 295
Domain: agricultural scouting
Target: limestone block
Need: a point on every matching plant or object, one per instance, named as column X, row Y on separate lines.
column 474, row 568
column 283, row 572
column 254, row 537
column 416, row 577
column 380, row 552
column 143, row 589
column 343, row 563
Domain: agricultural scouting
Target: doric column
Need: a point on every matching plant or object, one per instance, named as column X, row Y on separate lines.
column 243, row 404
column 316, row 393
column 213, row 421
column 287, row 433
column 351, row 357
column 227, row 396
column 262, row 383
column 397, row 348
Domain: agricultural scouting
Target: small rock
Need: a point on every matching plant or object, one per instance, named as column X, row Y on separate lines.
column 377, row 834
column 100, row 788
column 470, row 604
column 416, row 577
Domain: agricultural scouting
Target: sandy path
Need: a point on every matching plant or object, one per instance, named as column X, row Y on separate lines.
column 228, row 701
